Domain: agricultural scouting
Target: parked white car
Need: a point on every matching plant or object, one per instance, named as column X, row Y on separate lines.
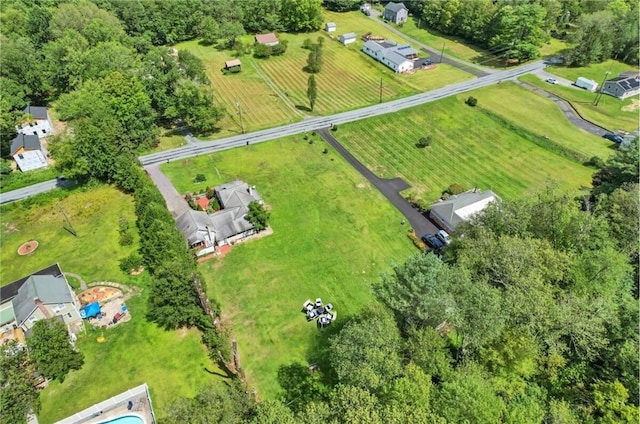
column 551, row 80
column 444, row 236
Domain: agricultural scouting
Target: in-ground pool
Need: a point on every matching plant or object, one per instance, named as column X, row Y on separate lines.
column 125, row 419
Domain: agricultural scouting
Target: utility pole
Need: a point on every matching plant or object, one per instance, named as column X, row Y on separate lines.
column 441, row 52
column 380, row 91
column 70, row 229
column 599, row 95
column 240, row 113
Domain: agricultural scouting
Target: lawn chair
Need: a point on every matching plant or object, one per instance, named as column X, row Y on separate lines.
column 328, row 307
column 312, row 314
column 318, row 302
column 307, row 304
column 333, row 315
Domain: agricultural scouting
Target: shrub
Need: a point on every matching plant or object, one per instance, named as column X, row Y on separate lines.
column 334, row 128
column 126, row 239
column 424, row 142
column 455, row 188
column 131, row 262
column 325, row 151
column 262, row 51
column 416, row 241
column 199, row 178
column 280, row 48
column 596, row 162
column 471, row 101
column 307, row 44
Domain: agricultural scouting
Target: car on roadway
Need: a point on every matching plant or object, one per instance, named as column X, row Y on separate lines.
column 613, row 137
column 444, row 236
column 432, row 241
column 552, row 81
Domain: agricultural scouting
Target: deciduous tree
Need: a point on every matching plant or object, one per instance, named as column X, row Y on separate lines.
column 50, row 349
column 18, row 394
column 312, row 91
column 258, row 216
column 195, row 105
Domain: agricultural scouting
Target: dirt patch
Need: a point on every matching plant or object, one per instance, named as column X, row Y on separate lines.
column 10, row 228
column 27, row 248
column 138, row 271
column 99, row 294
column 635, row 105
column 361, row 185
column 182, row 332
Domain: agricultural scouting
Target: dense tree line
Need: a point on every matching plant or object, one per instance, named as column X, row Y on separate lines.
column 515, row 29
column 530, row 317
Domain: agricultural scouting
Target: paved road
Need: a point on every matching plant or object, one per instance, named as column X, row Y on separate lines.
column 390, row 188
column 32, row 190
column 340, row 118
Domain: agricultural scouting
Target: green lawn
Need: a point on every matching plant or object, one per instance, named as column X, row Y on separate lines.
column 462, row 49
column 171, row 362
column 595, row 71
column 471, row 146
column 333, row 235
column 541, row 116
column 18, row 179
column 610, row 112
column 93, row 213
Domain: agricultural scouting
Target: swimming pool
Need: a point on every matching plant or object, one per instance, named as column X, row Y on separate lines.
column 125, row 419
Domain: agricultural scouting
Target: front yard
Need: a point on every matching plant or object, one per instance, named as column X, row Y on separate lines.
column 333, row 234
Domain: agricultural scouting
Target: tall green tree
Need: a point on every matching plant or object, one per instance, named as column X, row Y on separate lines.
column 621, row 168
column 258, row 216
column 209, row 30
column 50, row 350
column 301, row 15
column 195, row 105
column 365, row 352
column 312, row 91
column 594, row 38
column 18, row 393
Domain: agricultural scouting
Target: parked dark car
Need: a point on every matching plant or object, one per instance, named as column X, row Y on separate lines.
column 432, row 241
column 613, row 137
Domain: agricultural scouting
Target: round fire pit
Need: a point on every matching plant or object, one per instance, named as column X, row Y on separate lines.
column 27, row 248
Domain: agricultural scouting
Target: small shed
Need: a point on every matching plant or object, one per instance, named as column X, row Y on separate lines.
column 233, row 64
column 348, row 38
column 330, row 27
column 269, row 39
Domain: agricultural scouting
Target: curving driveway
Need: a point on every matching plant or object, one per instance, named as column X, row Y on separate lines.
column 390, row 188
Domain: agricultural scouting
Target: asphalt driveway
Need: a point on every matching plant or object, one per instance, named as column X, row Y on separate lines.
column 390, row 188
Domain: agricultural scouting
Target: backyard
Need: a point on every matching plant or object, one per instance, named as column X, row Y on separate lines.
column 486, row 147
column 272, row 92
column 333, row 233
column 134, row 352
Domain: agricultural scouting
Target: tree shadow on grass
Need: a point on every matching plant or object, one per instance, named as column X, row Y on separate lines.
column 303, row 108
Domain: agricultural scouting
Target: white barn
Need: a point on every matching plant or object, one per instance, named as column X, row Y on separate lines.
column 388, row 55
column 330, row 27
column 348, row 38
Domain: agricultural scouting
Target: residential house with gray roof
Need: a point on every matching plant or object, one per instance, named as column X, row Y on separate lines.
column 623, row 86
column 27, row 152
column 395, row 12
column 41, row 295
column 449, row 213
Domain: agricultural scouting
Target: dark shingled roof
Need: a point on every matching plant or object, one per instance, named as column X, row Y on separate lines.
column 45, row 288
column 11, row 290
column 38, row 112
column 29, row 142
column 395, row 7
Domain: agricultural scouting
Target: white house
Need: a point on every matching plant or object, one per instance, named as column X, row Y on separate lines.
column 391, row 55
column 348, row 38
column 27, row 152
column 36, row 122
column 330, row 27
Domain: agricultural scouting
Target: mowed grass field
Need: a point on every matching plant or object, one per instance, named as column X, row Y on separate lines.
column 540, row 116
column 611, row 113
column 260, row 105
column 137, row 351
column 333, row 234
column 475, row 147
column 272, row 91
